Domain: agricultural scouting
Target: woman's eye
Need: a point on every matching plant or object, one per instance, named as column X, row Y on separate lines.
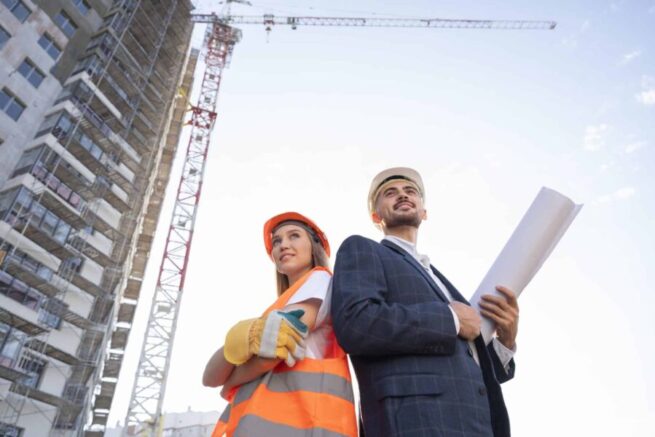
column 276, row 241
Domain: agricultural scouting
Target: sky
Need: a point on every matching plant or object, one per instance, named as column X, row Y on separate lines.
column 306, row 118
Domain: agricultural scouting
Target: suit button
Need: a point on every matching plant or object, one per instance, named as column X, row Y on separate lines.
column 482, row 391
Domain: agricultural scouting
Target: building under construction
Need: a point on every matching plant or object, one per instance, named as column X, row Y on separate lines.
column 92, row 101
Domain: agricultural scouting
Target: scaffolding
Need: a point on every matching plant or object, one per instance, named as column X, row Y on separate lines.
column 106, row 142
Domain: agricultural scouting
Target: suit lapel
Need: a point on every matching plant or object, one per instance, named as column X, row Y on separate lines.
column 412, row 261
column 453, row 291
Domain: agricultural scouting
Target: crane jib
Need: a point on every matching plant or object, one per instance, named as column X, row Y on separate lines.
column 443, row 23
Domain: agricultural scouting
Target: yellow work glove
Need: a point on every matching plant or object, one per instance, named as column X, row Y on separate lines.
column 277, row 335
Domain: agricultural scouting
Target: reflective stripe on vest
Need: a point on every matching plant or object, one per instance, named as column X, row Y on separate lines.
column 312, row 399
column 250, row 426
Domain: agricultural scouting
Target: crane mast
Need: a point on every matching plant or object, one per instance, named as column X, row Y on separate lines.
column 150, row 381
column 144, row 413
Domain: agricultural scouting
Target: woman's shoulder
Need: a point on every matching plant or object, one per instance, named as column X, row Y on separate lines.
column 320, row 273
column 314, row 287
column 319, row 279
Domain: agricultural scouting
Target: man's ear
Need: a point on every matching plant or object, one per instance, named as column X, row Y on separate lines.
column 425, row 214
column 376, row 218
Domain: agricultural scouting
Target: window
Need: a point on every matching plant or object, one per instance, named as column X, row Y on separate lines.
column 10, row 104
column 6, row 201
column 48, row 44
column 91, row 64
column 76, row 201
column 18, row 8
column 7, row 430
column 82, row 6
column 49, row 223
column 74, row 264
column 50, row 314
column 29, row 71
column 65, row 23
column 26, row 161
column 63, row 127
column 4, row 37
column 33, row 367
column 11, row 343
column 62, row 232
column 21, row 293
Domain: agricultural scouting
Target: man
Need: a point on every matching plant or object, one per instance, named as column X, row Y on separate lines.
column 422, row 367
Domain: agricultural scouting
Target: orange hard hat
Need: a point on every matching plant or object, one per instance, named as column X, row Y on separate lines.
column 276, row 221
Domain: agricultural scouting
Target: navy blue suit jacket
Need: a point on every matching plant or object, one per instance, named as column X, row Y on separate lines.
column 416, row 377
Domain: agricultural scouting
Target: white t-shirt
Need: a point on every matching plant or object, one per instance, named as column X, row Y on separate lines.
column 317, row 286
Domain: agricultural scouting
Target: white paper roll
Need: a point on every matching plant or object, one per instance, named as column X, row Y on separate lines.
column 533, row 240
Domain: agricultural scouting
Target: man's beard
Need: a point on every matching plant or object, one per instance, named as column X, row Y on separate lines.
column 398, row 220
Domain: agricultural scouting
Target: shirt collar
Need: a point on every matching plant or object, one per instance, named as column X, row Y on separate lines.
column 410, row 248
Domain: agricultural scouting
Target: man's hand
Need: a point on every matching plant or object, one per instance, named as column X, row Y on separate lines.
column 469, row 320
column 504, row 311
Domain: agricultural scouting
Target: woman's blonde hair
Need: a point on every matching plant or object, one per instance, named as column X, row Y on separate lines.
column 319, row 257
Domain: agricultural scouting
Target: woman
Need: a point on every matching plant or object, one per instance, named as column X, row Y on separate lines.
column 276, row 398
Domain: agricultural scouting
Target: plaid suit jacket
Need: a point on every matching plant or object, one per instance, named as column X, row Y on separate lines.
column 416, row 377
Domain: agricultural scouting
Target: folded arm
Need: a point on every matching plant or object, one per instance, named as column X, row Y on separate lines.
column 257, row 366
column 217, row 370
column 366, row 323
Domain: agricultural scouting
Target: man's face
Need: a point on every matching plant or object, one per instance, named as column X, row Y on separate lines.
column 399, row 203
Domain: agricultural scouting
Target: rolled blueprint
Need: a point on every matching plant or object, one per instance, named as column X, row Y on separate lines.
column 533, row 240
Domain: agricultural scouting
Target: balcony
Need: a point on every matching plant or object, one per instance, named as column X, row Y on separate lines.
column 31, row 272
column 86, row 99
column 78, row 241
column 144, row 125
column 118, row 96
column 61, row 310
column 30, row 327
column 89, row 349
column 119, row 337
column 137, row 50
column 68, row 417
column 88, row 286
column 102, row 163
column 39, row 395
column 117, row 201
column 65, row 211
column 141, row 142
column 26, row 372
column 37, row 222
column 88, row 146
column 52, row 351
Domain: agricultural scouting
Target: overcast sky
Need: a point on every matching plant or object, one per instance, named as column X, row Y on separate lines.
column 308, row 117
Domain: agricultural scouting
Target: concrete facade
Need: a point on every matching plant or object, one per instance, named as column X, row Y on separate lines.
column 90, row 116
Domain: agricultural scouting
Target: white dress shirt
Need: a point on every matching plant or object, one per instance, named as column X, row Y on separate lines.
column 504, row 354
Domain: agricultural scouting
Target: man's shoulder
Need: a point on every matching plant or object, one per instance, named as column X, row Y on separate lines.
column 358, row 241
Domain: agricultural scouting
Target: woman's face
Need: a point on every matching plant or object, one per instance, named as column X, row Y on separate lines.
column 292, row 251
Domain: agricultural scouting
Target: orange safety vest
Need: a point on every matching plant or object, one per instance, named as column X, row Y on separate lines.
column 314, row 397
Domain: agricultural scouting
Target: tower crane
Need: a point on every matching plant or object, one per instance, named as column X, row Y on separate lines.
column 144, row 413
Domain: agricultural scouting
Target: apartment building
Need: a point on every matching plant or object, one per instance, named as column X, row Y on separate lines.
column 91, row 107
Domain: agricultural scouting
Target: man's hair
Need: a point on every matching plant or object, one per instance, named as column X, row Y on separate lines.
column 319, row 257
